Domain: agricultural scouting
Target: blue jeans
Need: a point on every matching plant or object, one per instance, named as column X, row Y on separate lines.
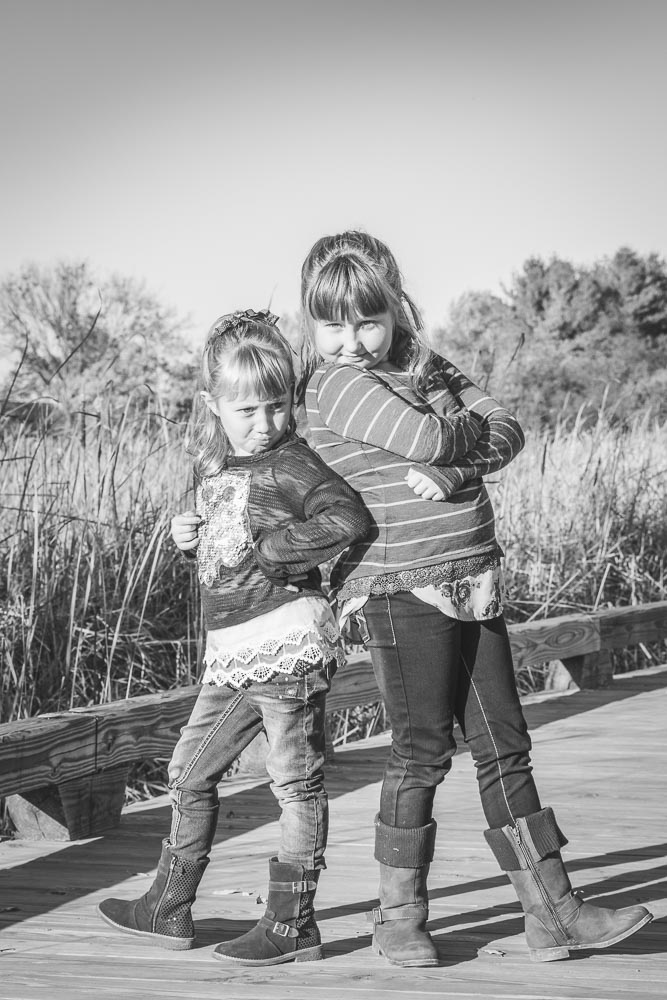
column 223, row 722
column 433, row 670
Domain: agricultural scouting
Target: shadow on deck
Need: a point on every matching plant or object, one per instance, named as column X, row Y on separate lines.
column 599, row 754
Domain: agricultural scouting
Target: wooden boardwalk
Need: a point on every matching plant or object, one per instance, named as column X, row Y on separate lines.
column 600, row 761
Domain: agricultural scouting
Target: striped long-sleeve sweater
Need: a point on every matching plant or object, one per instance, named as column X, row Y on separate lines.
column 371, row 427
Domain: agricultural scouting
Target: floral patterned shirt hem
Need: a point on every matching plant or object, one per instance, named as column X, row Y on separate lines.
column 471, row 598
column 294, row 639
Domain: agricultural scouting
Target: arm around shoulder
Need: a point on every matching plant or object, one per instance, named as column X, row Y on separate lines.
column 361, row 406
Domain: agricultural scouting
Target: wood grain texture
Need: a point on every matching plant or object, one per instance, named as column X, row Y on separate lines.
column 51, row 750
column 621, row 627
column 554, row 639
column 609, row 800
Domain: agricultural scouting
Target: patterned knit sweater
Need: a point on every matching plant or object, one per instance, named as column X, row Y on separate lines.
column 371, row 427
column 265, row 518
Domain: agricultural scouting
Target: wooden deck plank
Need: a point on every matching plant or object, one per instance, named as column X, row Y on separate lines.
column 600, row 761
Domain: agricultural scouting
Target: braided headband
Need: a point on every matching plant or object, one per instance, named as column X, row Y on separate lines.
column 234, row 319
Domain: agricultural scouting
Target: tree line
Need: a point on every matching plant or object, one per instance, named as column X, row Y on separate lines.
column 561, row 340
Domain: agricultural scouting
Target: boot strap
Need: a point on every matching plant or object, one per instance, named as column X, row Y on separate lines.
column 306, row 885
column 409, row 911
column 279, row 928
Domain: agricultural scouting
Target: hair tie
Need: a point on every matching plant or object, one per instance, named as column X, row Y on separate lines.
column 234, row 319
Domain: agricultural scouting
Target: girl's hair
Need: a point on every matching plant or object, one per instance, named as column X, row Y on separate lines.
column 355, row 274
column 244, row 355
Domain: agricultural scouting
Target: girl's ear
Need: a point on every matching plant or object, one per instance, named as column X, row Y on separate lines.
column 208, row 399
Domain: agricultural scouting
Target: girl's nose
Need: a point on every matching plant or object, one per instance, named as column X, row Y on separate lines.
column 261, row 420
column 350, row 338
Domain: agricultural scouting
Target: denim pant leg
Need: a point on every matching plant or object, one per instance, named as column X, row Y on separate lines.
column 293, row 711
column 222, row 724
column 489, row 713
column 414, row 651
column 431, row 670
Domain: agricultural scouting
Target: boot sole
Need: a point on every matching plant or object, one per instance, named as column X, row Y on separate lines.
column 307, row 955
column 555, row 954
column 161, row 940
column 407, row 963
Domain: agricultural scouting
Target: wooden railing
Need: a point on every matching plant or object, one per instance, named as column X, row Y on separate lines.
column 64, row 775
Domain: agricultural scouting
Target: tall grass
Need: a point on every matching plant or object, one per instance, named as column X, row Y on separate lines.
column 96, row 604
column 583, row 516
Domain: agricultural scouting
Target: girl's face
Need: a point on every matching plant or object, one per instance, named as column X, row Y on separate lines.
column 252, row 425
column 364, row 341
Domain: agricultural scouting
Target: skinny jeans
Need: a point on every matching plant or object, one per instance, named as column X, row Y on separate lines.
column 224, row 720
column 433, row 671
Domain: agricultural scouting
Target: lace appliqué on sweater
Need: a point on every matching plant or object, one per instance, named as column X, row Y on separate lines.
column 224, row 535
column 451, row 572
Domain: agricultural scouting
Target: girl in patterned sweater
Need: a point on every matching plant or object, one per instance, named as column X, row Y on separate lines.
column 414, row 437
column 268, row 512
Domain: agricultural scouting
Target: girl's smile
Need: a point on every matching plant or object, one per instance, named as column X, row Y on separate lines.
column 252, row 425
column 364, row 341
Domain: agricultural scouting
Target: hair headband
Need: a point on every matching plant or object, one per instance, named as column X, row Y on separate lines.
column 232, row 320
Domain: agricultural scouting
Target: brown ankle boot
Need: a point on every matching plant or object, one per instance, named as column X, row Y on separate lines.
column 399, row 932
column 287, row 932
column 558, row 921
column 163, row 915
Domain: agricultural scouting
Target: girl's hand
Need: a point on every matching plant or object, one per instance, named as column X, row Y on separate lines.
column 185, row 530
column 423, row 486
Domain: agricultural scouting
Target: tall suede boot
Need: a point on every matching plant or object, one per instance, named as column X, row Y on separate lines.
column 399, row 932
column 558, row 921
column 287, row 932
column 163, row 915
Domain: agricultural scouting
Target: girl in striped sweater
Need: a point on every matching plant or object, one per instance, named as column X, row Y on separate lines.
column 414, row 437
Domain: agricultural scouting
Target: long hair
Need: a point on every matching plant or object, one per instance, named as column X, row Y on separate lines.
column 244, row 354
column 354, row 274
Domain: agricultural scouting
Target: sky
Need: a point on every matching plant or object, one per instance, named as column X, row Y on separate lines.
column 204, row 145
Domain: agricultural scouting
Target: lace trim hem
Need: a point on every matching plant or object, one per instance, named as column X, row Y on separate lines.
column 298, row 653
column 447, row 572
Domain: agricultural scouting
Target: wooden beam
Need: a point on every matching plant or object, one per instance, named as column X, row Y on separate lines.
column 554, row 639
column 621, row 627
column 142, row 728
column 84, row 753
column 46, row 750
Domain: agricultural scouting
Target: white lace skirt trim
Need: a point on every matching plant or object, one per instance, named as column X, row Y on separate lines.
column 295, row 639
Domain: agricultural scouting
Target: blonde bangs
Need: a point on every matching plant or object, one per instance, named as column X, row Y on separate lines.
column 248, row 372
column 345, row 288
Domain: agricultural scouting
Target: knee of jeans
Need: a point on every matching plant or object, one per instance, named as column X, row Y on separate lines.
column 174, row 771
column 299, row 789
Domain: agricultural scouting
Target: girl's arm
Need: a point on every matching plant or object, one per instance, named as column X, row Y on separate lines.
column 360, row 406
column 334, row 517
column 501, row 439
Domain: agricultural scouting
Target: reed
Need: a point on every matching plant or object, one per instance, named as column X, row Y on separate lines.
column 96, row 604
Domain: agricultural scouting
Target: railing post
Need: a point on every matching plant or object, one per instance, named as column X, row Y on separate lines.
column 73, row 810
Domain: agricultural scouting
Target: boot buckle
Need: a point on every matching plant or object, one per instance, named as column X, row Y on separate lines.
column 282, row 930
column 304, row 886
column 375, row 915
